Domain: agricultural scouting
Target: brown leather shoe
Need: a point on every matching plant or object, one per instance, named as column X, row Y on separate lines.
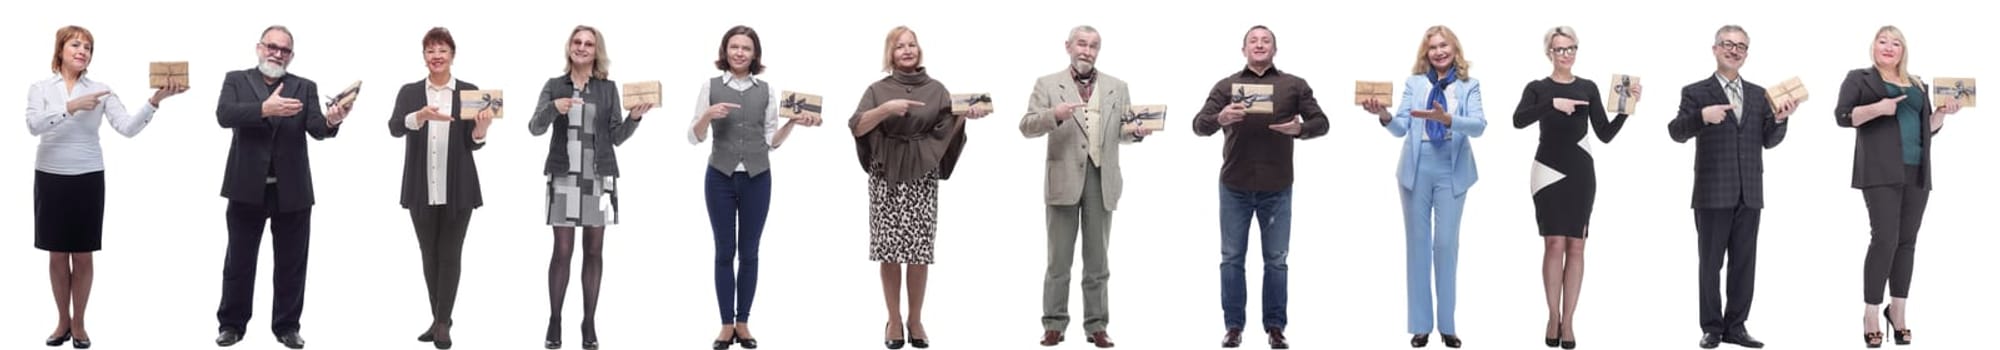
column 1277, row 338
column 1051, row 338
column 1101, row 339
column 1233, row 339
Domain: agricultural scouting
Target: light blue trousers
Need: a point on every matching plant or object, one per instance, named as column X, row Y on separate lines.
column 1431, row 211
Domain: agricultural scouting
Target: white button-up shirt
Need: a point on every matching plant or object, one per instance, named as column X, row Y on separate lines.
column 438, row 139
column 771, row 119
column 69, row 141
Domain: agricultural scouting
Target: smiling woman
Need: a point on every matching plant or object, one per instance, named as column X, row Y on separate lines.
column 440, row 178
column 66, row 111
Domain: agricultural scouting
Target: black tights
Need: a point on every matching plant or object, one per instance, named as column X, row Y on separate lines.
column 593, row 276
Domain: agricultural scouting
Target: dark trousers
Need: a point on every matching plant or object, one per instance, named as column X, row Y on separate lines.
column 291, row 234
column 441, row 239
column 737, row 205
column 1894, row 214
column 1731, row 235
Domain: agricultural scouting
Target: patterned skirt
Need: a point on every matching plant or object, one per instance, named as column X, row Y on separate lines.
column 576, row 201
column 902, row 220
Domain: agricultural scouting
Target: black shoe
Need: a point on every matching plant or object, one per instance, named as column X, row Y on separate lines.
column 80, row 343
column 1450, row 341
column 892, row 343
column 747, row 343
column 226, row 338
column 1742, row 339
column 590, row 335
column 57, row 340
column 722, row 344
column 1233, row 338
column 1711, row 340
column 1568, row 344
column 426, row 337
column 553, row 339
column 1420, row 340
column 1277, row 338
column 1902, row 335
column 443, row 345
column 292, row 340
column 920, row 343
column 1555, row 341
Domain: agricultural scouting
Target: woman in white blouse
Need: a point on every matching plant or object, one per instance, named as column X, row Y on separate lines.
column 66, row 111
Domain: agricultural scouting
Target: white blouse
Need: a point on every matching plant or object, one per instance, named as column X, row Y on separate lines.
column 438, row 140
column 69, row 141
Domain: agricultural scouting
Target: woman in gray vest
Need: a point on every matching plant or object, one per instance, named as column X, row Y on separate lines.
column 582, row 169
column 908, row 139
column 741, row 113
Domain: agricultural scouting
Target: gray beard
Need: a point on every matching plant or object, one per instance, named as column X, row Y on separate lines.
column 1081, row 67
column 270, row 70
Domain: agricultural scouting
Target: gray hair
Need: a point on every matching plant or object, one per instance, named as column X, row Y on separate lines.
column 1073, row 32
column 278, row 28
column 1726, row 29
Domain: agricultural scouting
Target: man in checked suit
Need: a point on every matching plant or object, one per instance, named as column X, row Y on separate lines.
column 1080, row 110
column 1734, row 123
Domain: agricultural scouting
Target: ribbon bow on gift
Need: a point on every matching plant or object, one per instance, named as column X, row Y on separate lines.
column 977, row 99
column 1247, row 98
column 488, row 103
column 1136, row 116
column 797, row 105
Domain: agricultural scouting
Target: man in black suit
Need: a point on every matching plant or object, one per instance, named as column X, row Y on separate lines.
column 269, row 177
column 1735, row 123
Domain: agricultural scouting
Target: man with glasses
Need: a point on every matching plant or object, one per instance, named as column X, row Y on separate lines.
column 1735, row 123
column 269, row 178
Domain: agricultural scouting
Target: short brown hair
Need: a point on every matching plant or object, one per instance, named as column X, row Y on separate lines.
column 756, row 49
column 440, row 36
column 63, row 36
column 889, row 48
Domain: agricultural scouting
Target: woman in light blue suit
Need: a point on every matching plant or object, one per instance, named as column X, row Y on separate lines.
column 1439, row 115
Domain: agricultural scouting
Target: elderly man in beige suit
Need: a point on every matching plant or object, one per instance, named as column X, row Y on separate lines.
column 1080, row 111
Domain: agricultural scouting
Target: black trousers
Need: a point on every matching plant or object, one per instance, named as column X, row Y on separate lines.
column 1727, row 236
column 441, row 238
column 291, row 235
column 1894, row 214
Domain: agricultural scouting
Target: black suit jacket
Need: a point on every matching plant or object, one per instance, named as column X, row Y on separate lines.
column 462, row 187
column 1878, row 144
column 1729, row 157
column 262, row 147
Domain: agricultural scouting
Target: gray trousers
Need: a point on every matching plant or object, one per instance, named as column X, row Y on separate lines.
column 1094, row 220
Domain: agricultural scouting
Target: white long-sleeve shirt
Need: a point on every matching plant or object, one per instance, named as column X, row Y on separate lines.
column 70, row 141
column 438, row 139
column 771, row 119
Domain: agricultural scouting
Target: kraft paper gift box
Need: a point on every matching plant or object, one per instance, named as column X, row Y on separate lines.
column 346, row 97
column 166, row 73
column 793, row 104
column 639, row 93
column 960, row 103
column 1618, row 95
column 1258, row 96
column 1963, row 89
column 1378, row 91
column 1149, row 117
column 1788, row 90
column 472, row 101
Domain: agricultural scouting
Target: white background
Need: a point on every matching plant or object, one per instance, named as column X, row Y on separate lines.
column 158, row 278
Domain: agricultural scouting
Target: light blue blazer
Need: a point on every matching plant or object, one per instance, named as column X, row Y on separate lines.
column 1468, row 121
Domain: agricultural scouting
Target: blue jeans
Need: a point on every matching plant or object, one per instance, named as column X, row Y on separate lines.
column 1273, row 211
column 1432, row 241
column 737, row 206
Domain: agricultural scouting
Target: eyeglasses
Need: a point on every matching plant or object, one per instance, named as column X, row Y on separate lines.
column 1565, row 50
column 281, row 50
column 1732, row 45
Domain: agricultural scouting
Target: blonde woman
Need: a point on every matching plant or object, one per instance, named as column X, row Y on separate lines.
column 1893, row 119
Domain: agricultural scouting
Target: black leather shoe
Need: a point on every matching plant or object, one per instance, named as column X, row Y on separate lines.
column 1420, row 340
column 57, row 340
column 1233, row 338
column 426, row 337
column 1277, row 338
column 747, row 343
column 553, row 339
column 892, row 343
column 227, row 338
column 1711, row 340
column 920, row 343
column 1742, row 339
column 80, row 343
column 292, row 340
column 443, row 345
column 722, row 344
column 1450, row 341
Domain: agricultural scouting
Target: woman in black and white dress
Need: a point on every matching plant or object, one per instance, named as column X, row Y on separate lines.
column 66, row 111
column 1564, row 178
column 582, row 169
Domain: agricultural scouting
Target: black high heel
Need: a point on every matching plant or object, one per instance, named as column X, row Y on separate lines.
column 57, row 340
column 747, row 343
column 553, row 340
column 915, row 342
column 1450, row 341
column 80, row 343
column 1566, row 344
column 1902, row 335
column 1420, row 340
column 893, row 343
column 590, row 335
column 723, row 344
column 1556, row 341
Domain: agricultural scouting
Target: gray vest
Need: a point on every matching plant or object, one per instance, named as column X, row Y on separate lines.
column 739, row 138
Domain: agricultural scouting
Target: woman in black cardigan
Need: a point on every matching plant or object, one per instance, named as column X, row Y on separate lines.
column 1893, row 121
column 440, row 178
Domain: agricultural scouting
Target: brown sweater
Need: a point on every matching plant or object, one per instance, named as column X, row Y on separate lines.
column 1254, row 157
column 904, row 148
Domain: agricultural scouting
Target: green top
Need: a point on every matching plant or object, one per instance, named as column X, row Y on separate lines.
column 1909, row 115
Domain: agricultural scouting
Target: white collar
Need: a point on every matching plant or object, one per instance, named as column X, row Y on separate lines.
column 449, row 84
column 730, row 77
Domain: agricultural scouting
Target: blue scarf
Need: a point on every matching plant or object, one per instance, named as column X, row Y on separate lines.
column 1433, row 128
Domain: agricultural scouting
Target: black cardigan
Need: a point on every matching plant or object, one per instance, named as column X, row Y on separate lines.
column 1878, row 144
column 461, row 171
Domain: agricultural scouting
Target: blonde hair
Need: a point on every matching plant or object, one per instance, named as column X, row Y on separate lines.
column 1549, row 40
column 1457, row 57
column 1903, row 63
column 601, row 67
column 889, row 48
column 63, row 36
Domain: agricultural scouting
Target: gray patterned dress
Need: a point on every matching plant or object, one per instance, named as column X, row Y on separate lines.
column 581, row 196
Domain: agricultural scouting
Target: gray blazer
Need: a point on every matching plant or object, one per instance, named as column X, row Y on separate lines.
column 1068, row 155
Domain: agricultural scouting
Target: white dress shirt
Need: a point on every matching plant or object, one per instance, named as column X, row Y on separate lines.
column 439, row 138
column 771, row 119
column 69, row 141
